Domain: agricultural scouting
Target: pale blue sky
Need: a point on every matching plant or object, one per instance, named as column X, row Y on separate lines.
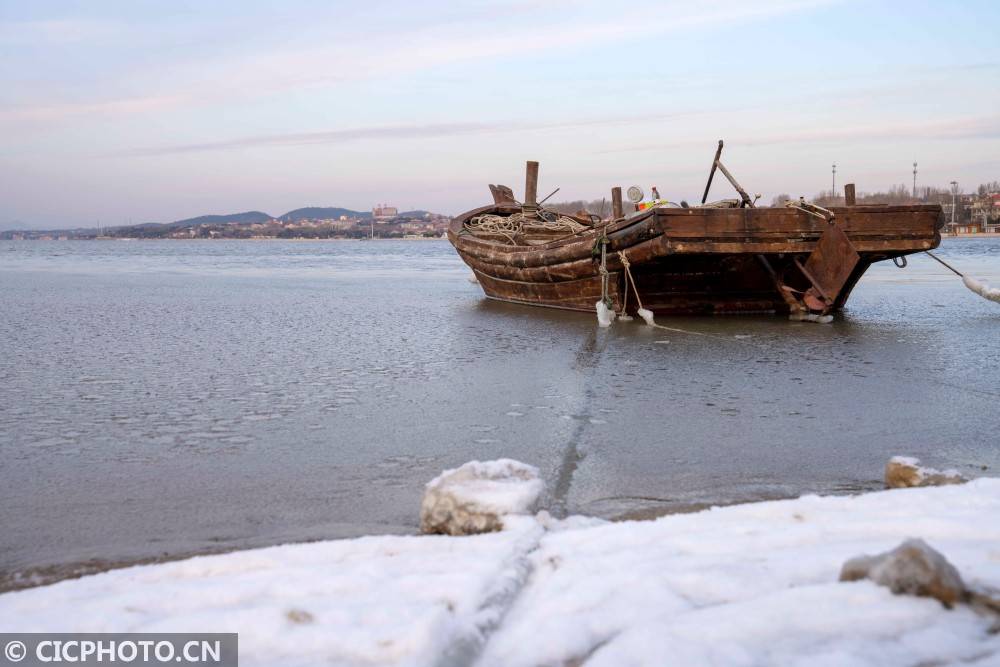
column 157, row 111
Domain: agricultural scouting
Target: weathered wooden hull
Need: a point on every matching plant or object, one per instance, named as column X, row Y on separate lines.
column 704, row 260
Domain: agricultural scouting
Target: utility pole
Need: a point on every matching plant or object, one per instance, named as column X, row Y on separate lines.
column 914, row 180
column 954, row 194
column 833, row 182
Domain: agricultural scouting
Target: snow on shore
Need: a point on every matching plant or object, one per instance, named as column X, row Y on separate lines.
column 745, row 585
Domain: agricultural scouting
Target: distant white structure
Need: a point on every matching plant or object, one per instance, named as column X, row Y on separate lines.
column 384, row 212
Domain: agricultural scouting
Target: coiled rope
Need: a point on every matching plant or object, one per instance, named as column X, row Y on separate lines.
column 517, row 223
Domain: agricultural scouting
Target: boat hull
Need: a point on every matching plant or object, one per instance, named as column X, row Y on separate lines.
column 703, row 260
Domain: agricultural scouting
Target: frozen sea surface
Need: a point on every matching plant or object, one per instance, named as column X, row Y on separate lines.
column 160, row 399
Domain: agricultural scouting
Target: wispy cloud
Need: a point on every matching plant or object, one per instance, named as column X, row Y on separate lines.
column 326, row 137
column 351, row 58
column 397, row 132
column 975, row 127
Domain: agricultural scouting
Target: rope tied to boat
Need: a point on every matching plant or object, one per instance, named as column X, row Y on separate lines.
column 605, row 307
column 979, row 287
column 642, row 312
column 645, row 314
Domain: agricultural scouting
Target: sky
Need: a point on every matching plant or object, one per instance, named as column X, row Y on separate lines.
column 151, row 111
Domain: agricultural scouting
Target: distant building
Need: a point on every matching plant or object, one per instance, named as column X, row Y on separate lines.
column 385, row 212
column 977, row 214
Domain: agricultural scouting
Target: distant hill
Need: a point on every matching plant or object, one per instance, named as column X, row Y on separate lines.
column 162, row 229
column 322, row 213
column 247, row 218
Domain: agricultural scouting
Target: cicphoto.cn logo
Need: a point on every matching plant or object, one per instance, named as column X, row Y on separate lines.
column 218, row 649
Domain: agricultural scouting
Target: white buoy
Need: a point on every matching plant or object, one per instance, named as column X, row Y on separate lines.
column 646, row 315
column 979, row 287
column 605, row 316
column 982, row 288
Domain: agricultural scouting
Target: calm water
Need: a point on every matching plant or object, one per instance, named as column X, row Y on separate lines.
column 167, row 398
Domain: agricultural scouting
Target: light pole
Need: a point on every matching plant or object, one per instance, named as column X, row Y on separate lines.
column 914, row 180
column 833, row 182
column 954, row 194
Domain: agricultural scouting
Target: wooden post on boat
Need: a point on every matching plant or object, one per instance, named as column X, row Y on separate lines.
column 711, row 173
column 616, row 203
column 745, row 200
column 849, row 197
column 531, row 188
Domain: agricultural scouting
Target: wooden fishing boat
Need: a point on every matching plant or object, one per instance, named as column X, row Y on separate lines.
column 724, row 257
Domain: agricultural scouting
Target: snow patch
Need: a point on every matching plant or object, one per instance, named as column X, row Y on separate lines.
column 753, row 584
column 373, row 601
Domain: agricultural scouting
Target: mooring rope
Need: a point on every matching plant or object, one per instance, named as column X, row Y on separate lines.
column 605, row 311
column 645, row 314
column 946, row 264
column 979, row 287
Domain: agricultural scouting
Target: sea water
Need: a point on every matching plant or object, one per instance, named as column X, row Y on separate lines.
column 166, row 398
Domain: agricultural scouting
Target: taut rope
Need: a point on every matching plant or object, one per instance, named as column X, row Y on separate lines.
column 979, row 287
column 646, row 315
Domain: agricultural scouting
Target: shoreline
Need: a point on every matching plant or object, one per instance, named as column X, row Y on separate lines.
column 944, row 237
column 762, row 575
column 36, row 576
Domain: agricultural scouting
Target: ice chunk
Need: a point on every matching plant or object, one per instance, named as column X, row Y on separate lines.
column 810, row 317
column 605, row 316
column 912, row 568
column 905, row 471
column 475, row 497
